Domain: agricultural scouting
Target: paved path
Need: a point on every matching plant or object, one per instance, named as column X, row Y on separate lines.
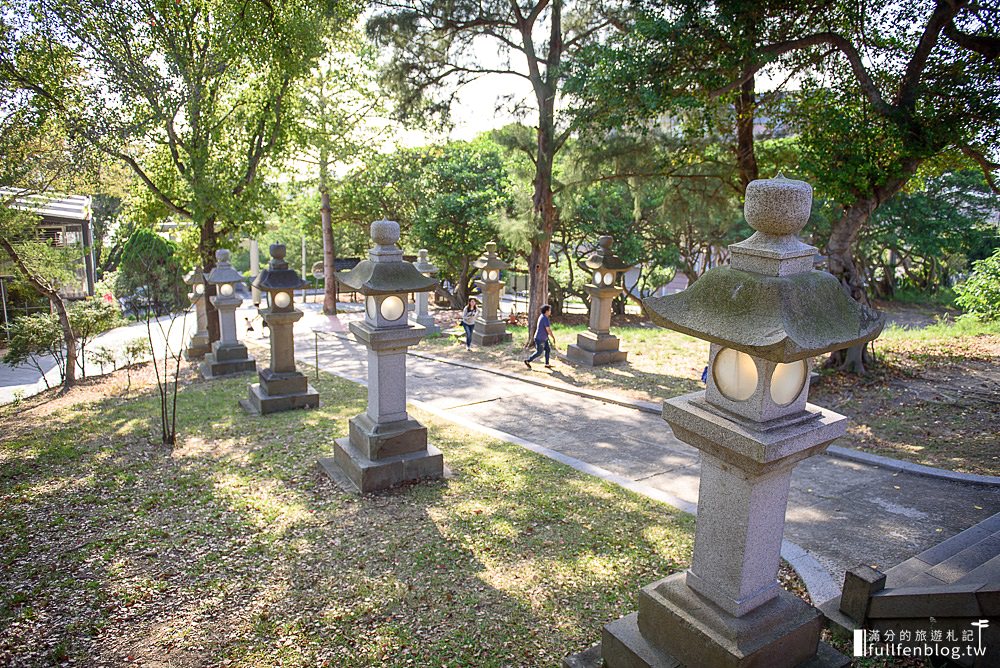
column 843, row 513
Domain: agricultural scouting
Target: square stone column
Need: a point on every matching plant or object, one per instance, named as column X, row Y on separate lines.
column 598, row 346
column 198, row 343
column 489, row 329
column 229, row 356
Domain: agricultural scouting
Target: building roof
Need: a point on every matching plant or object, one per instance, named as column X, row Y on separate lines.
column 55, row 207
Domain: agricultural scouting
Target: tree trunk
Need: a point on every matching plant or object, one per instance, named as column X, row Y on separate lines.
column 746, row 159
column 69, row 338
column 329, row 258
column 207, row 245
column 463, row 288
column 545, row 210
column 329, row 251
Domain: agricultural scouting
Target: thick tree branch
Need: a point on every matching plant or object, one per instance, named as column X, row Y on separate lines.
column 987, row 47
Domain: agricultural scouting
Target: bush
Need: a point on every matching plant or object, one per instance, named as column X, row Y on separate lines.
column 89, row 318
column 33, row 337
column 980, row 294
column 149, row 277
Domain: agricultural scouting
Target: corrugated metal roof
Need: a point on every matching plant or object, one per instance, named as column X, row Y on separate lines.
column 68, row 207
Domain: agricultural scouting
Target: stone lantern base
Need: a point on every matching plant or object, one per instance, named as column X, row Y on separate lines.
column 278, row 392
column 490, row 333
column 376, row 457
column 676, row 626
column 227, row 359
column 594, row 349
column 198, row 346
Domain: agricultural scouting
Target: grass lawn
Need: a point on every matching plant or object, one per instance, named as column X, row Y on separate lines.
column 934, row 398
column 232, row 549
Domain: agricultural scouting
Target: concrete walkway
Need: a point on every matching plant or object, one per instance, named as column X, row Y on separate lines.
column 841, row 512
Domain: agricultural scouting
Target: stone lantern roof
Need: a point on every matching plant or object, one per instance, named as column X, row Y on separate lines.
column 194, row 276
column 223, row 272
column 385, row 272
column 423, row 263
column 490, row 260
column 770, row 303
column 603, row 258
column 278, row 276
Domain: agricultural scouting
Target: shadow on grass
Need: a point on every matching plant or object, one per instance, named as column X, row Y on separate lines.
column 234, row 547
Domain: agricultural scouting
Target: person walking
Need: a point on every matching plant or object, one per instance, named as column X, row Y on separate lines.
column 543, row 333
column 469, row 315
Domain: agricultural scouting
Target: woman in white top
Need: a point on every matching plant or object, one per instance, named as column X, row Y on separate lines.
column 469, row 315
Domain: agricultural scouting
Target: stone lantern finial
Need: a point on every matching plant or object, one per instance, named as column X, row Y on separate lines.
column 222, row 256
column 278, row 256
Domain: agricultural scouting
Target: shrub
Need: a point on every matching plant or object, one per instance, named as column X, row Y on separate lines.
column 33, row 337
column 980, row 294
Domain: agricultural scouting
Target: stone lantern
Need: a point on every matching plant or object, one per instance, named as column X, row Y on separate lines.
column 765, row 315
column 385, row 446
column 422, row 315
column 281, row 386
column 489, row 328
column 199, row 343
column 598, row 345
column 228, row 355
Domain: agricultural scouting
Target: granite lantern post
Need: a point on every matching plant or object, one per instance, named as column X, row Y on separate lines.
column 198, row 344
column 598, row 345
column 489, row 328
column 281, row 386
column 765, row 315
column 228, row 355
column 385, row 446
column 422, row 315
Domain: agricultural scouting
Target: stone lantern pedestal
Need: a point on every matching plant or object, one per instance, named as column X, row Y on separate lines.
column 422, row 315
column 385, row 447
column 228, row 355
column 598, row 346
column 489, row 329
column 282, row 387
column 199, row 343
column 765, row 315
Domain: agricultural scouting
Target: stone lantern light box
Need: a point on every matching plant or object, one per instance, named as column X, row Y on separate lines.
column 489, row 328
column 281, row 386
column 385, row 446
column 228, row 355
column 765, row 316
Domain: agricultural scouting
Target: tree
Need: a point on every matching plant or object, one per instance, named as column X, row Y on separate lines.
column 38, row 155
column 150, row 275
column 197, row 93
column 465, row 189
column 334, row 105
column 435, row 45
column 923, row 237
column 980, row 295
column 885, row 87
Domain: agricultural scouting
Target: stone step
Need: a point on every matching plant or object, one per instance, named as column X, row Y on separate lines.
column 914, row 571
